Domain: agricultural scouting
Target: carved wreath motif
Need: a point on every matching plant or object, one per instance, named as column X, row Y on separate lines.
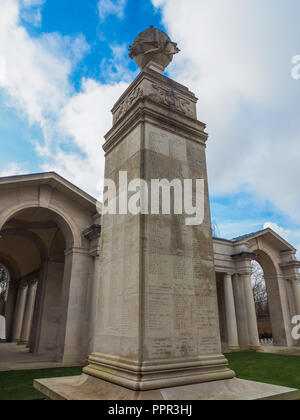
column 172, row 100
column 128, row 103
column 163, row 96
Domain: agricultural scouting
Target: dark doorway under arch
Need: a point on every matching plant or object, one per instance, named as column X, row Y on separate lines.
column 260, row 294
column 271, row 300
column 33, row 241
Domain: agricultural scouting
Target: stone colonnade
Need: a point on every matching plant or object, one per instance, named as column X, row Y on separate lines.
column 296, row 290
column 241, row 321
column 243, row 316
column 24, row 311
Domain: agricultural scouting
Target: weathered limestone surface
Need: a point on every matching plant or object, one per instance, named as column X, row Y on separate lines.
column 88, row 388
column 157, row 322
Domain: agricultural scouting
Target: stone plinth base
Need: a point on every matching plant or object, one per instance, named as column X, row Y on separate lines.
column 150, row 376
column 86, row 387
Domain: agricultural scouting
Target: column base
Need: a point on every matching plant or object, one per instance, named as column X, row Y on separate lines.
column 234, row 348
column 22, row 343
column 255, row 348
column 158, row 374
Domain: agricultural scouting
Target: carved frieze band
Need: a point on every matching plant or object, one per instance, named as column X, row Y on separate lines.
column 160, row 95
column 171, row 99
column 128, row 103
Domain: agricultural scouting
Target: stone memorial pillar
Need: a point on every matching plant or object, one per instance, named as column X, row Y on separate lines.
column 156, row 324
column 157, row 317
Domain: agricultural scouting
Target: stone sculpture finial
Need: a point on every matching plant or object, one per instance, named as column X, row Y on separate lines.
column 153, row 48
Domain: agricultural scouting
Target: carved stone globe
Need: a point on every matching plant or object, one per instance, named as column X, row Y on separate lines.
column 154, row 49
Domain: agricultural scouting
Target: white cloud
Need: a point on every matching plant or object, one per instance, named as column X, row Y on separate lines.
column 290, row 235
column 31, row 11
column 284, row 233
column 236, row 55
column 117, row 66
column 85, row 120
column 38, row 86
column 111, row 7
column 233, row 229
column 32, row 3
column 12, row 169
column 37, row 81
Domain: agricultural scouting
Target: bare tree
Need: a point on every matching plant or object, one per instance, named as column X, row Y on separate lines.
column 3, row 282
column 259, row 289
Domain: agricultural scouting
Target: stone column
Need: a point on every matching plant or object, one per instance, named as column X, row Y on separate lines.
column 35, row 332
column 251, row 312
column 74, row 316
column 296, row 293
column 10, row 308
column 94, row 302
column 28, row 313
column 233, row 340
column 92, row 233
column 241, row 311
column 19, row 313
column 157, row 320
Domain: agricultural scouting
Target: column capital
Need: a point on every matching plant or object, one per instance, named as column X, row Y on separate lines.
column 296, row 278
column 74, row 250
column 23, row 283
column 228, row 274
column 290, row 270
column 243, row 256
column 95, row 252
column 246, row 272
column 92, row 232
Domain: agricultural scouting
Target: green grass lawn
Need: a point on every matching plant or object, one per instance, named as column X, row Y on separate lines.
column 260, row 367
column 269, row 368
column 19, row 385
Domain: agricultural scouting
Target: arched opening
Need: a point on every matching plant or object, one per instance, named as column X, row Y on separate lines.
column 260, row 294
column 269, row 310
column 4, row 282
column 33, row 243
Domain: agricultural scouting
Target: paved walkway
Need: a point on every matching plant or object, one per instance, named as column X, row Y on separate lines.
column 14, row 357
column 288, row 351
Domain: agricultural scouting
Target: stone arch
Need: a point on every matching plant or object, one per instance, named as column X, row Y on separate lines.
column 35, row 239
column 64, row 221
column 56, row 251
column 267, row 262
column 43, row 266
column 272, row 279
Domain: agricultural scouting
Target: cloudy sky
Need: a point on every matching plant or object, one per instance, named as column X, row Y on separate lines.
column 63, row 64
